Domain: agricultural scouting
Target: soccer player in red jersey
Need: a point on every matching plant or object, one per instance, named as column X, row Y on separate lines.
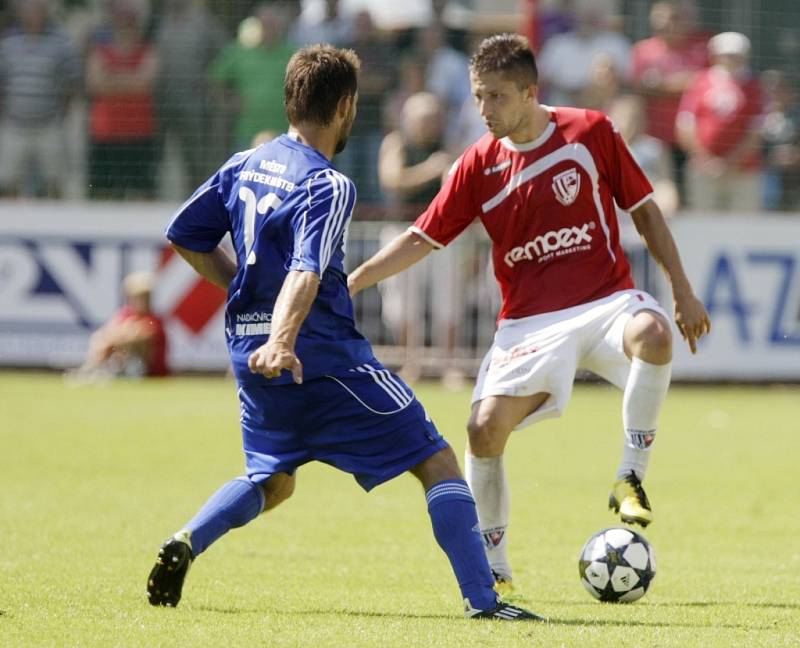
column 544, row 181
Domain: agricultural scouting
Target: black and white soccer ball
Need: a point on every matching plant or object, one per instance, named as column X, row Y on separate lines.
column 617, row 565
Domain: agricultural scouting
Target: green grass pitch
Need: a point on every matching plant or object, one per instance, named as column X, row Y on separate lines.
column 94, row 478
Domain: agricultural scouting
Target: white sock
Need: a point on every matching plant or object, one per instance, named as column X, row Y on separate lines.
column 487, row 481
column 645, row 392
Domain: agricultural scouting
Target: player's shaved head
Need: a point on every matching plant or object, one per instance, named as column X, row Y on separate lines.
column 317, row 77
column 509, row 55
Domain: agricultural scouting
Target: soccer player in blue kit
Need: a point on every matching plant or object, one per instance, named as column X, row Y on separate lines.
column 309, row 385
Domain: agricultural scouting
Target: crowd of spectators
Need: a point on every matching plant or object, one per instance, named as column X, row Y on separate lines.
column 161, row 91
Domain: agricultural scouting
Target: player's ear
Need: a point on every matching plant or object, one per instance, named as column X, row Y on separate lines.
column 345, row 105
column 532, row 92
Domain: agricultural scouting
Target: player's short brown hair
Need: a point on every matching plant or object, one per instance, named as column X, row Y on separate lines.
column 317, row 77
column 509, row 54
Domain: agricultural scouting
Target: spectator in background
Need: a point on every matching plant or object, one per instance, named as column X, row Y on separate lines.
column 413, row 160
column 133, row 342
column 447, row 74
column 249, row 73
column 605, row 84
column 629, row 115
column 359, row 160
column 565, row 62
column 39, row 74
column 412, row 163
column 718, row 125
column 781, row 137
column 322, row 22
column 543, row 19
column 188, row 39
column 121, row 78
column 663, row 67
column 410, row 80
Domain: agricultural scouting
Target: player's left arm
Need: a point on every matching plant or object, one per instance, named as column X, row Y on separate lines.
column 690, row 314
column 318, row 233
column 292, row 306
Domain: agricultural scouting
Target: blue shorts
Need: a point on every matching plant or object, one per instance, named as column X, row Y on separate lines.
column 365, row 421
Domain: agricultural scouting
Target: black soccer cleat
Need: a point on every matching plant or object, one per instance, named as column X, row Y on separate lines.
column 165, row 583
column 501, row 612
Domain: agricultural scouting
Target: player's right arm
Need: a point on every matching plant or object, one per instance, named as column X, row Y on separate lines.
column 196, row 230
column 216, row 266
column 445, row 218
column 401, row 253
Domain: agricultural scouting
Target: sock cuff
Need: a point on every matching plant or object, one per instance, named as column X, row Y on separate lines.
column 262, row 501
column 448, row 490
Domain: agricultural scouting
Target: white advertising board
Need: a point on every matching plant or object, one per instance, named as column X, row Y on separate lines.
column 747, row 272
column 61, row 265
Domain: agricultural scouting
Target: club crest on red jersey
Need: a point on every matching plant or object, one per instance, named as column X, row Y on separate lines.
column 566, row 186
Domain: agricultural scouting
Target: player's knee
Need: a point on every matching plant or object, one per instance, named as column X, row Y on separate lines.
column 650, row 339
column 277, row 489
column 486, row 437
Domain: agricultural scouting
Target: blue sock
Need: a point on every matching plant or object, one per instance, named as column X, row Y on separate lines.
column 455, row 526
column 233, row 505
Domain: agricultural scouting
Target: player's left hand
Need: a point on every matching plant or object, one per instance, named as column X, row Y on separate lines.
column 270, row 359
column 692, row 319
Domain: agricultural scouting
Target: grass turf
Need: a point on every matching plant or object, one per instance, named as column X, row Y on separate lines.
column 93, row 479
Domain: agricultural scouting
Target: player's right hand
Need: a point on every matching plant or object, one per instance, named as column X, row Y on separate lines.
column 270, row 359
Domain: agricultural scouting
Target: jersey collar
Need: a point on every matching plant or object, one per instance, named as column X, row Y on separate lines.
column 529, row 146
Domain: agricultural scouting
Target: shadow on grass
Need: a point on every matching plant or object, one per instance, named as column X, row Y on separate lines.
column 454, row 617
column 669, row 604
column 327, row 612
column 630, row 623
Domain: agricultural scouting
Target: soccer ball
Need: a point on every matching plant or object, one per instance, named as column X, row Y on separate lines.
column 617, row 565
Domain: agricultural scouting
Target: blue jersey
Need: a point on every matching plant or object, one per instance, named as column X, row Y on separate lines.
column 286, row 209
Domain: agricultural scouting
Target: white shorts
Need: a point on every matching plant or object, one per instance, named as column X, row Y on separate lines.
column 542, row 353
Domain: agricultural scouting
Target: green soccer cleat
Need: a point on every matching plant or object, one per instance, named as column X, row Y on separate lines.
column 165, row 583
column 630, row 501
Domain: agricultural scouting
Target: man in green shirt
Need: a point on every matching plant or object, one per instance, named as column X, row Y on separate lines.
column 250, row 74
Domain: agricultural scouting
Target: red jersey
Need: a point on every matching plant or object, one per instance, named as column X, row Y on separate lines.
column 157, row 363
column 548, row 207
column 128, row 116
column 723, row 108
column 654, row 58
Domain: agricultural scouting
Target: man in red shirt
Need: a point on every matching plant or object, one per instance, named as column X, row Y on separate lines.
column 133, row 342
column 544, row 182
column 719, row 126
column 663, row 66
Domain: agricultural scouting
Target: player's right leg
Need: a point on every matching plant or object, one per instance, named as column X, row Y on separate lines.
column 233, row 505
column 454, row 520
column 490, row 424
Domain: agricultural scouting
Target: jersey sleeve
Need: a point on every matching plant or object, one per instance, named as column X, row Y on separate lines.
column 453, row 208
column 203, row 220
column 319, row 227
column 629, row 184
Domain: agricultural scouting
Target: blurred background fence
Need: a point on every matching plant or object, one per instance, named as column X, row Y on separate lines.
column 113, row 111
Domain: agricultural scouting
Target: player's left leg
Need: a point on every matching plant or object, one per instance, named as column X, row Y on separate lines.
column 455, row 527
column 647, row 341
column 233, row 505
